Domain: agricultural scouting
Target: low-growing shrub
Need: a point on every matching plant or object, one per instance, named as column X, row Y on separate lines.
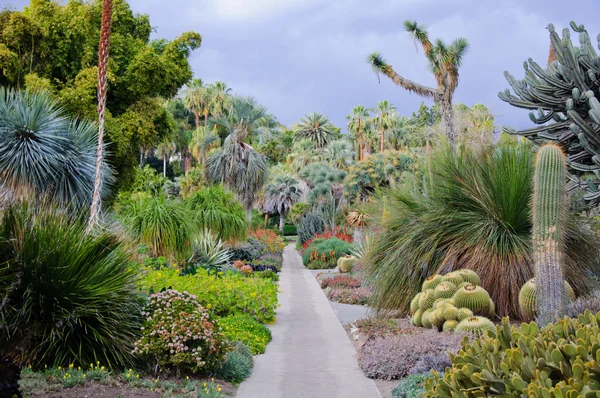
column 438, row 361
column 258, row 267
column 179, row 333
column 267, row 274
column 393, row 357
column 341, row 281
column 289, row 230
column 224, row 295
column 247, row 251
column 245, row 329
column 410, row 386
column 238, row 364
column 579, row 306
column 338, row 232
column 379, row 326
column 272, row 242
column 324, row 253
column 357, row 296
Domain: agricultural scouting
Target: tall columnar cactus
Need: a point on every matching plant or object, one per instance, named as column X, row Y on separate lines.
column 566, row 98
column 549, row 217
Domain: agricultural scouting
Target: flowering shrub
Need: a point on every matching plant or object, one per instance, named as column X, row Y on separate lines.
column 245, row 329
column 238, row 264
column 341, row 281
column 179, row 332
column 224, row 295
column 339, row 233
column 273, row 243
column 358, row 296
column 324, row 253
column 246, row 270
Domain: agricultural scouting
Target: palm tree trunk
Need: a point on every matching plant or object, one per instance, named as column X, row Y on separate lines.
column 266, row 220
column 360, row 146
column 164, row 165
column 141, row 158
column 103, row 52
column 448, row 114
column 281, row 221
column 197, row 116
column 205, row 121
column 382, row 139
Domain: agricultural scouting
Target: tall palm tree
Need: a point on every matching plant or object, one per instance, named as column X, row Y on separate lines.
column 165, row 149
column 244, row 116
column 317, row 128
column 281, row 194
column 385, row 120
column 103, row 52
column 358, row 124
column 196, row 98
column 444, row 62
column 218, row 98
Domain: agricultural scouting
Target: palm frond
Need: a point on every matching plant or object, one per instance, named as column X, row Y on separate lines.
column 419, row 33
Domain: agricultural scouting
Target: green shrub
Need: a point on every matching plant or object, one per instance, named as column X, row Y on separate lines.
column 247, row 251
column 410, row 387
column 324, row 253
column 238, row 364
column 245, row 329
column 268, row 274
column 216, row 209
column 309, row 225
column 179, row 333
column 558, row 360
column 64, row 294
column 226, row 295
column 289, row 230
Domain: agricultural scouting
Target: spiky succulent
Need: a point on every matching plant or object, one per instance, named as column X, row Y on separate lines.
column 436, row 318
column 416, row 318
column 425, row 322
column 528, row 299
column 450, row 313
column 474, row 298
column 476, row 325
column 469, row 276
column 426, row 300
column 414, row 304
column 346, row 264
column 431, row 282
column 445, row 290
column 449, row 325
column 464, row 313
column 453, row 277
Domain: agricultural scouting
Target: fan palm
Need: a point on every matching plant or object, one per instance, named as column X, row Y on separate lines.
column 219, row 98
column 281, row 194
column 103, row 50
column 444, row 62
column 196, row 98
column 244, row 116
column 339, row 153
column 165, row 150
column 475, row 215
column 385, row 120
column 43, row 153
column 358, row 124
column 317, row 128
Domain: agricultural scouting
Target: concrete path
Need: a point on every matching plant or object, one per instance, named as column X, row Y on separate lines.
column 310, row 355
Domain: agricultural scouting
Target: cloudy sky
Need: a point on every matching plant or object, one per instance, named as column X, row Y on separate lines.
column 300, row 56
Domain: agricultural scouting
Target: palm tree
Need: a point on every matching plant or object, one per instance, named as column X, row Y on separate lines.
column 165, row 150
column 339, row 153
column 103, row 51
column 281, row 194
column 244, row 116
column 196, row 99
column 317, row 128
column 444, row 62
column 358, row 124
column 218, row 98
column 385, row 120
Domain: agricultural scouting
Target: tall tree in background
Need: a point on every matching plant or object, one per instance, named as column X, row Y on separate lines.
column 195, row 98
column 385, row 120
column 103, row 50
column 317, row 128
column 358, row 123
column 444, row 62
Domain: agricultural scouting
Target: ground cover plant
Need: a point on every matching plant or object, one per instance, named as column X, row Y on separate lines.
column 247, row 330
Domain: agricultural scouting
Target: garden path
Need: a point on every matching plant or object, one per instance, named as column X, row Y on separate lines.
column 311, row 355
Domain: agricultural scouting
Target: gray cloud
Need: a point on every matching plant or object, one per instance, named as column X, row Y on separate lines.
column 299, row 56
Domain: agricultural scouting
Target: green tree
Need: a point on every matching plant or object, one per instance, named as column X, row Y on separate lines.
column 358, row 125
column 444, row 61
column 196, row 99
column 385, row 120
column 317, row 128
column 281, row 194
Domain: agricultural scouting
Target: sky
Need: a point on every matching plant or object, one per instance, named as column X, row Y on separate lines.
column 301, row 56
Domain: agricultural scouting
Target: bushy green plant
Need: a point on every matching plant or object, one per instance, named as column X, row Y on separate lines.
column 289, row 230
column 558, row 360
column 410, row 386
column 209, row 253
column 244, row 328
column 482, row 199
column 216, row 209
column 238, row 364
column 324, row 253
column 309, row 225
column 160, row 223
column 297, row 211
column 64, row 294
column 267, row 274
column 230, row 294
column 247, row 251
column 179, row 333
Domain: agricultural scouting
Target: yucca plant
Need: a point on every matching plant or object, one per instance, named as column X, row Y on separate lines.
column 209, row 251
column 476, row 215
column 66, row 297
column 160, row 223
column 216, row 209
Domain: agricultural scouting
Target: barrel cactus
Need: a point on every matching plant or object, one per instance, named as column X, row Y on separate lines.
column 528, row 299
column 469, row 276
column 463, row 313
column 445, row 290
column 414, row 304
column 425, row 322
column 346, row 263
column 474, row 298
column 476, row 325
column 431, row 282
column 453, row 277
column 416, row 318
column 450, row 313
column 436, row 318
column 426, row 300
column 449, row 325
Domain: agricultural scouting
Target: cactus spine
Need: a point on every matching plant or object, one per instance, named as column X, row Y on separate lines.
column 549, row 216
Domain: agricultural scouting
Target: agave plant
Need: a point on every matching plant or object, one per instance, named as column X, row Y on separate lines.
column 44, row 153
column 209, row 251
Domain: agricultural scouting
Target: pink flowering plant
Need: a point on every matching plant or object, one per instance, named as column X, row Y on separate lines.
column 179, row 333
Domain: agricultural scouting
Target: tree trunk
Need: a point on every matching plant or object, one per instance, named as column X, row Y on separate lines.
column 197, row 115
column 448, row 114
column 382, row 139
column 164, row 165
column 360, row 146
column 103, row 52
column 205, row 121
column 141, row 158
column 266, row 220
column 281, row 221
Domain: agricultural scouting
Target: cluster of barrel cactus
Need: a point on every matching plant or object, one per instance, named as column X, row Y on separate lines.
column 566, row 98
column 559, row 360
column 528, row 299
column 453, row 302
